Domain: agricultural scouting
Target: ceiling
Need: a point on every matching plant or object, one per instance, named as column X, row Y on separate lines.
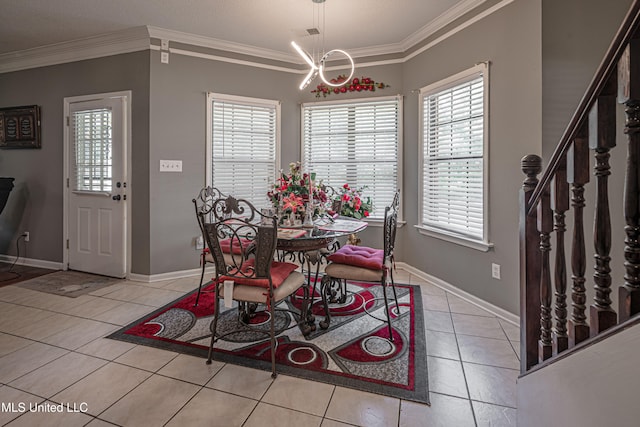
column 271, row 25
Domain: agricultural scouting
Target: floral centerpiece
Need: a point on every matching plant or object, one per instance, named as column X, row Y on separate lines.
column 353, row 203
column 290, row 194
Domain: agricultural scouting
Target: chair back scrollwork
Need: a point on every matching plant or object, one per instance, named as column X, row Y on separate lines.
column 390, row 226
column 203, row 204
column 246, row 233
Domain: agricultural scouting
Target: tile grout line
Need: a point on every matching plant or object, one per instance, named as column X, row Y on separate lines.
column 464, row 374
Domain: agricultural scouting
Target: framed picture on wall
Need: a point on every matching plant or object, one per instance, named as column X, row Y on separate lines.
column 20, row 127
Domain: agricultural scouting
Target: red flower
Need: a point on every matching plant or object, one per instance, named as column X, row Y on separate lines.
column 357, row 204
column 292, row 202
column 366, row 213
column 346, row 186
column 346, row 197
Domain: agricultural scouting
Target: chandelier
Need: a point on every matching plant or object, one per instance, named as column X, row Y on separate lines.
column 318, row 68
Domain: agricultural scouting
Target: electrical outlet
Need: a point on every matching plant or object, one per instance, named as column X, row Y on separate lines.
column 199, row 243
column 164, row 57
column 495, row 271
column 26, row 236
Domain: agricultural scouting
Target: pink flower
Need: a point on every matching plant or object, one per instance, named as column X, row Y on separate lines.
column 292, row 202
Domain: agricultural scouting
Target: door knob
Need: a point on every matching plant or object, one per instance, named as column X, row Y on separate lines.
column 116, row 197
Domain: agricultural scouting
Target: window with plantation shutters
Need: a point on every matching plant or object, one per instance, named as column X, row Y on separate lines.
column 355, row 142
column 243, row 146
column 93, row 150
column 454, row 156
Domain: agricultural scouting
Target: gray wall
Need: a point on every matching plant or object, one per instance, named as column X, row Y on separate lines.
column 575, row 37
column 511, row 40
column 36, row 204
column 177, row 131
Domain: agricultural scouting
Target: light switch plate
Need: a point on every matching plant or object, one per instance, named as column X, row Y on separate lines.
column 164, row 57
column 495, row 271
column 170, row 165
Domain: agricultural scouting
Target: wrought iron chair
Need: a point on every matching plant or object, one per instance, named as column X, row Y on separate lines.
column 363, row 264
column 251, row 276
column 203, row 204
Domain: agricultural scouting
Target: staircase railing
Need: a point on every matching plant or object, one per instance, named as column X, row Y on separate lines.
column 548, row 328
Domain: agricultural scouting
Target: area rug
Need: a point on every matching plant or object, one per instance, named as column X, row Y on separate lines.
column 353, row 352
column 68, row 283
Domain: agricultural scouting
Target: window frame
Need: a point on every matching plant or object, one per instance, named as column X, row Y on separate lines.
column 400, row 140
column 276, row 104
column 483, row 243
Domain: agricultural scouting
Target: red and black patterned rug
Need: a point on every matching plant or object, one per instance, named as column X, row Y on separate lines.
column 353, row 352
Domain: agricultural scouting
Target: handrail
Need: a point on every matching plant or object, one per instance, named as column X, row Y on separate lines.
column 607, row 66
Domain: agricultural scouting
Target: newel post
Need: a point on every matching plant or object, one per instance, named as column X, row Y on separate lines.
column 530, row 266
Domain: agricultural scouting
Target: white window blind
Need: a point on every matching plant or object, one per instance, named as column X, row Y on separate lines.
column 357, row 143
column 244, row 140
column 92, row 132
column 454, row 158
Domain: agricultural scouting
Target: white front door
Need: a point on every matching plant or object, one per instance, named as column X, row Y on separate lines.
column 97, row 186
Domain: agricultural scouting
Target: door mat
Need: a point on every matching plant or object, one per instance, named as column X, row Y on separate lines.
column 68, row 283
column 10, row 274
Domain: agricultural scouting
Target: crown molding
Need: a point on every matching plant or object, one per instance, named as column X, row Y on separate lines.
column 139, row 38
column 423, row 33
column 126, row 41
column 440, row 22
column 223, row 45
column 129, row 40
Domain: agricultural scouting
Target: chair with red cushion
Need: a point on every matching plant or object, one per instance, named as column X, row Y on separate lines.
column 363, row 264
column 203, row 204
column 252, row 276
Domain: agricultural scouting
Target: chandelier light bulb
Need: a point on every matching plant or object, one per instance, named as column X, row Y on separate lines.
column 321, row 68
column 304, row 55
column 310, row 76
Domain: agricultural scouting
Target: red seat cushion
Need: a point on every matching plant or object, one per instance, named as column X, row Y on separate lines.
column 234, row 247
column 359, row 256
column 279, row 273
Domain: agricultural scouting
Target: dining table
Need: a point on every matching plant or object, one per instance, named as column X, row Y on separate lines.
column 310, row 246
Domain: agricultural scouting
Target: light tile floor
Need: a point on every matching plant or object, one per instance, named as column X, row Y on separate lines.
column 52, row 352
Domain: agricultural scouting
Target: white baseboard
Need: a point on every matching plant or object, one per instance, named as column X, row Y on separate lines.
column 39, row 263
column 172, row 275
column 145, row 278
column 497, row 311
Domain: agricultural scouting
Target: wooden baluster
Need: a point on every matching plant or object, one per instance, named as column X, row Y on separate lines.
column 560, row 204
column 578, row 176
column 629, row 94
column 529, row 267
column 545, row 226
column 602, row 137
